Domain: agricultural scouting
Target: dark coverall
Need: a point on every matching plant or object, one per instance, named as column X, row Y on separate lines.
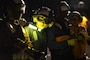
column 59, row 50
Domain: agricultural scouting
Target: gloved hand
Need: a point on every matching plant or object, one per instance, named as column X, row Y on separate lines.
column 71, row 42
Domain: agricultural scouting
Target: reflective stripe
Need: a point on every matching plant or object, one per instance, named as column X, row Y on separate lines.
column 35, row 36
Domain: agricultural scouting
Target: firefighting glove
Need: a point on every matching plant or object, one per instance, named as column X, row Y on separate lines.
column 71, row 42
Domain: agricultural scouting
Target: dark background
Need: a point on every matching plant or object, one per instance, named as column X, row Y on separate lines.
column 34, row 4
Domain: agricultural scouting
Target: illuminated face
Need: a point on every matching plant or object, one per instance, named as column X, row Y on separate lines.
column 41, row 25
column 41, row 22
column 75, row 20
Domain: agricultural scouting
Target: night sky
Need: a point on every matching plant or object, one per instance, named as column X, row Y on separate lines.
column 34, row 4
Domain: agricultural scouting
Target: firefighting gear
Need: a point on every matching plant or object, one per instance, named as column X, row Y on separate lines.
column 22, row 22
column 34, row 27
column 41, row 18
column 75, row 15
column 71, row 42
column 64, row 6
column 85, row 34
column 79, row 37
column 44, row 13
column 27, row 38
column 41, row 21
column 37, row 35
column 79, row 48
column 38, row 42
column 84, row 22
